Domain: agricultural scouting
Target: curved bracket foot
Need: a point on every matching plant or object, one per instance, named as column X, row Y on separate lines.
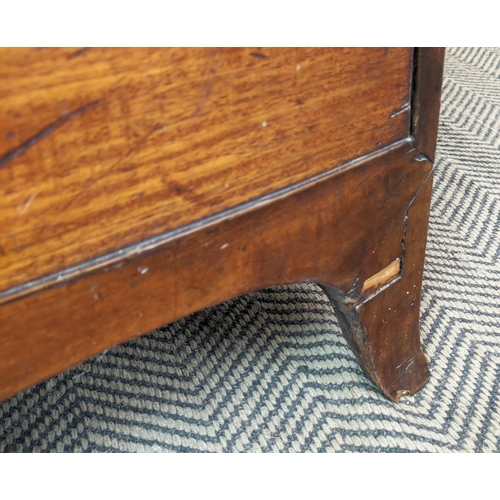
column 386, row 345
column 380, row 319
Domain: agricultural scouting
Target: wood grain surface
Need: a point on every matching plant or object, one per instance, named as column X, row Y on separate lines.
column 341, row 231
column 102, row 149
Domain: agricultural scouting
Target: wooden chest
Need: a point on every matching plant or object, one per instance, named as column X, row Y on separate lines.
column 140, row 185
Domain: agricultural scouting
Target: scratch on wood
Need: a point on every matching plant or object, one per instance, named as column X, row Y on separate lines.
column 257, row 55
column 409, row 361
column 367, row 178
column 278, row 256
column 110, row 169
column 78, row 53
column 24, row 206
column 402, row 109
column 19, row 150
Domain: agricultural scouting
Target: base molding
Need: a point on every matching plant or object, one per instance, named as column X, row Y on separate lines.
column 344, row 231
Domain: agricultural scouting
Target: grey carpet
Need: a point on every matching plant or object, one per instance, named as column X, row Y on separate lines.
column 270, row 371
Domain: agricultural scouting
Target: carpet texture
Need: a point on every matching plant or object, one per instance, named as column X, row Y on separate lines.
column 270, row 371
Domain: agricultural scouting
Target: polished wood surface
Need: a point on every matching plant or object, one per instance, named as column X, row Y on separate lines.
column 102, row 149
column 138, row 186
column 338, row 231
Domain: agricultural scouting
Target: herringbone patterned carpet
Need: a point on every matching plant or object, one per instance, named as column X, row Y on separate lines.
column 270, row 371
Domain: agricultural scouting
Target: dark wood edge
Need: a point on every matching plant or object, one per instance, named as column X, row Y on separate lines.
column 428, row 65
